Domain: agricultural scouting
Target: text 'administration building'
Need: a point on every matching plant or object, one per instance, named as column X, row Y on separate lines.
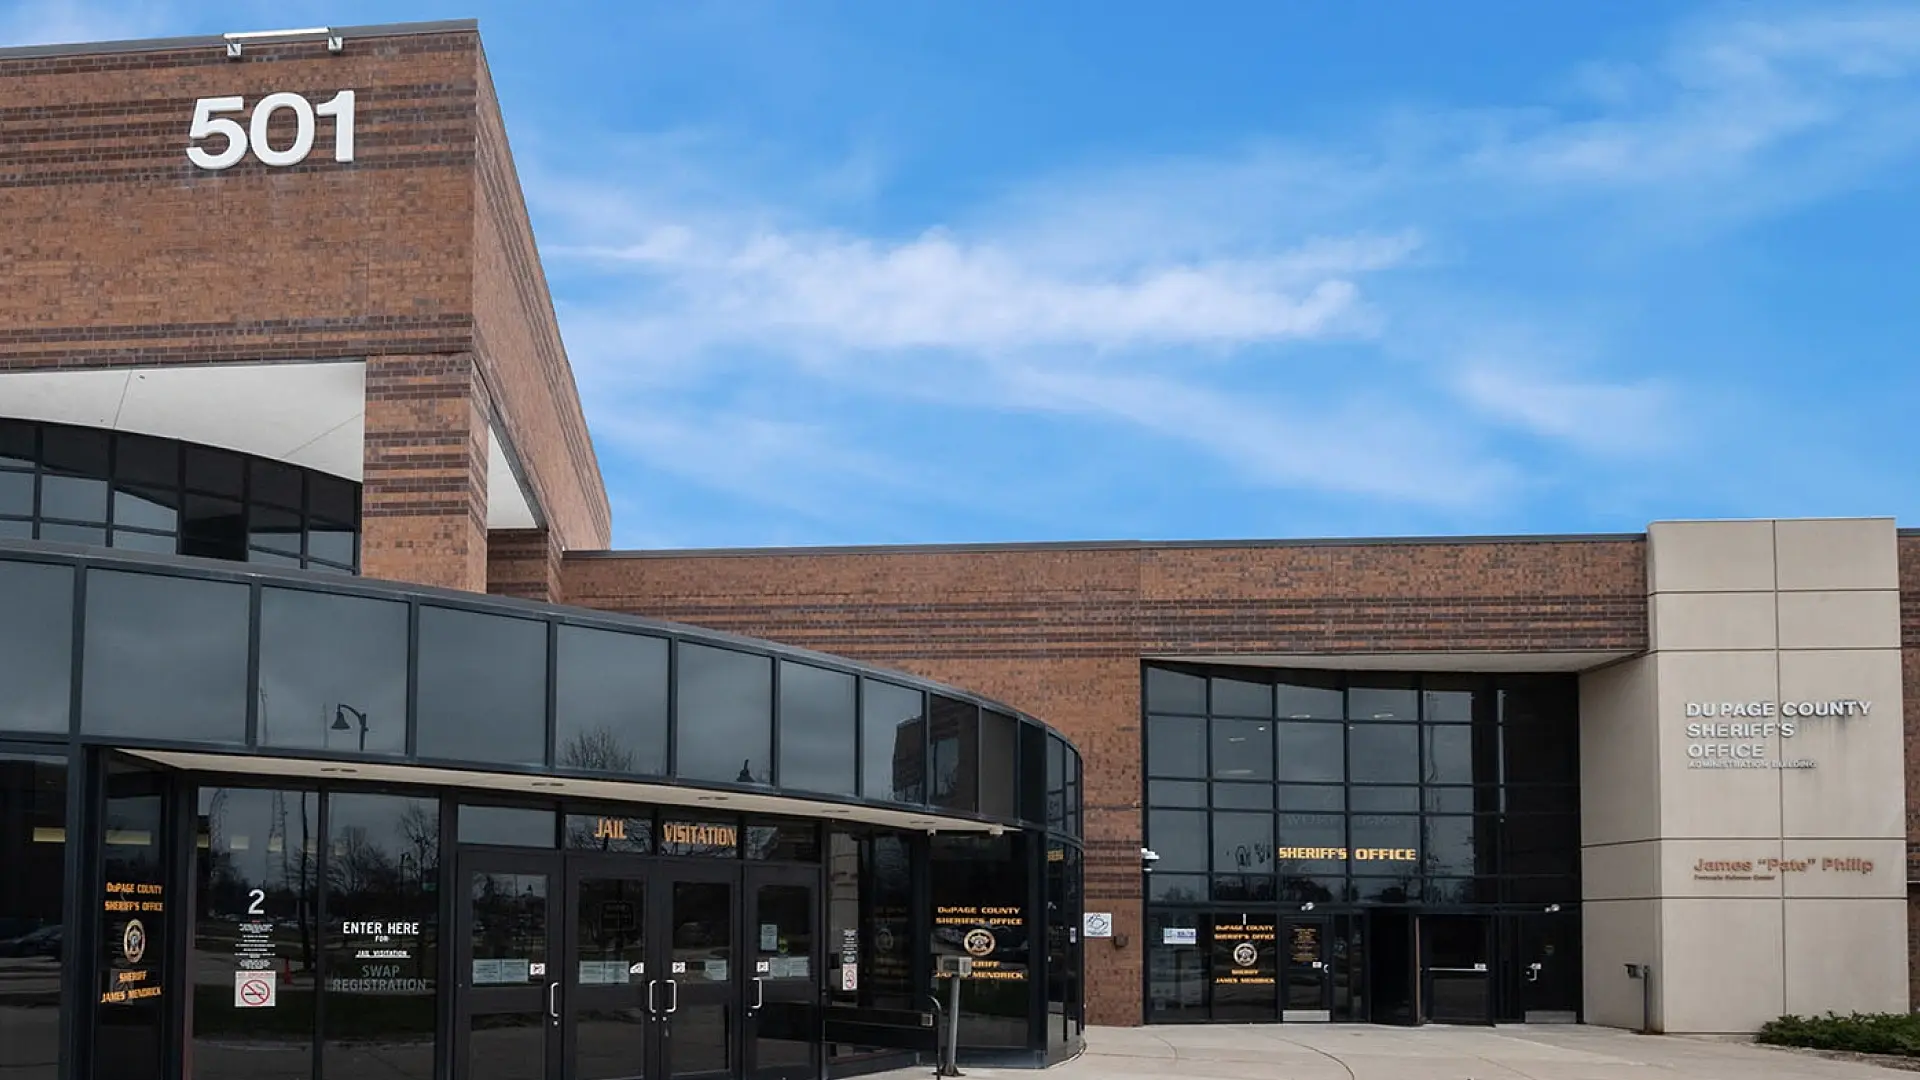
column 333, row 740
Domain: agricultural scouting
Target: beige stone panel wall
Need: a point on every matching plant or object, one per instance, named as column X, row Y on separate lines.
column 1845, row 956
column 1710, row 556
column 1629, row 871
column 1619, row 762
column 1714, row 803
column 1615, row 933
column 1724, row 967
column 1858, row 786
column 1838, row 878
column 1840, row 620
column 1713, row 620
column 1681, row 872
column 1837, row 553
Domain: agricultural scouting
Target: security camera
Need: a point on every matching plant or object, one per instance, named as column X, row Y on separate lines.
column 1148, row 857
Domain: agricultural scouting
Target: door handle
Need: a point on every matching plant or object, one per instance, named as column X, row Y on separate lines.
column 759, row 994
column 553, row 1000
column 673, row 1001
column 653, row 995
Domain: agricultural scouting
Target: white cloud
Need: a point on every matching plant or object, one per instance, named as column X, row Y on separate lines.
column 1271, row 307
column 1630, row 418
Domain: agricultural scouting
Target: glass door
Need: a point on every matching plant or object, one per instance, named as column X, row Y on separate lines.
column 1309, row 989
column 784, row 988
column 507, row 991
column 1456, row 981
column 612, row 995
column 1244, row 968
column 695, row 911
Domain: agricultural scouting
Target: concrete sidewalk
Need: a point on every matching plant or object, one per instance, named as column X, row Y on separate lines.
column 1314, row 1052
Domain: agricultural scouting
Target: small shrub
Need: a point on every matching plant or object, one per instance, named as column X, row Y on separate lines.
column 1859, row 1033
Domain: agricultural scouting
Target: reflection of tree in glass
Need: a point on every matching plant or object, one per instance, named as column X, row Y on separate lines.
column 598, row 750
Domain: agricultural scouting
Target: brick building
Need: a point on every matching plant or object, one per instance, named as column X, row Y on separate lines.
column 279, row 364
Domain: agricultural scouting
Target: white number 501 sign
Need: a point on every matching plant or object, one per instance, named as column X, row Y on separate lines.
column 208, row 122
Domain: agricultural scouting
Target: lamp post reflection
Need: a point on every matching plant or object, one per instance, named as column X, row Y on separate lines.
column 340, row 722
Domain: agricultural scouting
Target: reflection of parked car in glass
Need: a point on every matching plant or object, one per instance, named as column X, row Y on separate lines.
column 42, row 942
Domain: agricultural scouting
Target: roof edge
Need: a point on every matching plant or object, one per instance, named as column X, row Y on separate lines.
column 1096, row 545
column 91, row 48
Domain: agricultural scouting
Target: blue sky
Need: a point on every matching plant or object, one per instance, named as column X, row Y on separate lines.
column 892, row 272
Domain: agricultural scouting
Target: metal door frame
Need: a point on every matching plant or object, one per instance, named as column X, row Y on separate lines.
column 543, row 997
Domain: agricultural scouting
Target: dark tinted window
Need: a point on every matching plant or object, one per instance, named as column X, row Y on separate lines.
column 1242, row 843
column 1312, row 753
column 1176, row 747
column 1448, row 699
column 999, row 752
column 333, row 672
column 1175, row 692
column 1385, row 753
column 141, row 459
column 19, row 443
column 215, row 472
column 232, row 507
column 790, row 842
column 73, row 498
column 166, row 658
column 1033, row 773
column 1179, row 837
column 258, row 870
column 1240, row 796
column 36, row 646
column 1242, row 749
column 383, row 860
column 508, row 826
column 276, row 484
column 1383, row 697
column 213, row 528
column 482, row 687
column 981, row 883
column 16, row 494
column 1176, row 793
column 610, row 699
column 131, row 1029
column 1448, row 755
column 818, row 729
column 724, row 715
column 1306, row 696
column 147, row 508
column 954, row 753
column 33, row 833
column 893, row 742
column 275, row 529
column 1241, row 697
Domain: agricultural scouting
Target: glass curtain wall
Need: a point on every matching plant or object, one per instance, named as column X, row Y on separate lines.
column 76, row 485
column 1434, row 792
column 33, row 876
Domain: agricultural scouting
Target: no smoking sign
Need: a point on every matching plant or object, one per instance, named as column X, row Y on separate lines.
column 253, row 990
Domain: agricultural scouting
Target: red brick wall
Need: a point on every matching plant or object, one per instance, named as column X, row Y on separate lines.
column 518, row 343
column 423, row 504
column 120, row 251
column 524, row 563
column 1059, row 631
column 117, row 251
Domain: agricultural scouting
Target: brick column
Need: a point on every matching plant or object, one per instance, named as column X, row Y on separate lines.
column 524, row 563
column 423, row 499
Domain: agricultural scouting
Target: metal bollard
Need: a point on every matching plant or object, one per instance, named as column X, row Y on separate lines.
column 954, row 968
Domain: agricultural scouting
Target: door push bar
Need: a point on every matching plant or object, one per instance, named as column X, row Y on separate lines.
column 673, row 1002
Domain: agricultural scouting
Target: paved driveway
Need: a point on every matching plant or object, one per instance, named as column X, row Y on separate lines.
column 1301, row 1052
